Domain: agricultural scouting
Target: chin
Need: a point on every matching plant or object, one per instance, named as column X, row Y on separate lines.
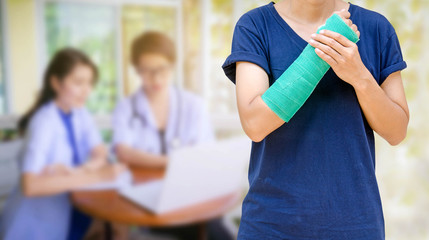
column 158, row 88
column 80, row 105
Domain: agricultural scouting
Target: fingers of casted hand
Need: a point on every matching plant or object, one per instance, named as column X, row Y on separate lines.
column 355, row 29
column 357, row 32
column 352, row 26
column 343, row 14
column 348, row 22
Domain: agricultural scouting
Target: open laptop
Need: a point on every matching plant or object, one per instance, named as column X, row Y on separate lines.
column 195, row 174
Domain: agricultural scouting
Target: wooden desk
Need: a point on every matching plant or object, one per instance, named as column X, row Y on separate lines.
column 111, row 207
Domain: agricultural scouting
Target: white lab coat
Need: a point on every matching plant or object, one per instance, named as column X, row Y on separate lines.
column 188, row 122
column 45, row 143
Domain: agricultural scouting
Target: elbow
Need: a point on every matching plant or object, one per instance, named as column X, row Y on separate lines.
column 124, row 154
column 395, row 141
column 255, row 137
column 28, row 190
column 397, row 138
column 253, row 131
column 393, row 134
column 121, row 153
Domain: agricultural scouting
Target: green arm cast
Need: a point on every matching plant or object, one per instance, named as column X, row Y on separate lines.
column 290, row 91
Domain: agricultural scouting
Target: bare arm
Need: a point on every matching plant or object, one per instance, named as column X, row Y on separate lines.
column 98, row 158
column 63, row 179
column 385, row 107
column 133, row 157
column 257, row 119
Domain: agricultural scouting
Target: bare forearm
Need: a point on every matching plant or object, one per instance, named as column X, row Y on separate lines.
column 143, row 159
column 44, row 185
column 138, row 158
column 258, row 120
column 385, row 116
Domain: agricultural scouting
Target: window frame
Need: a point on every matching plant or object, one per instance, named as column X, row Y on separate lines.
column 118, row 5
column 9, row 108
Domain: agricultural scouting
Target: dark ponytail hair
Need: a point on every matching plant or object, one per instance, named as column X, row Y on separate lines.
column 60, row 66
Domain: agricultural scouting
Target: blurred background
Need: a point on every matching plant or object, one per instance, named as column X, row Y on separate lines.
column 31, row 31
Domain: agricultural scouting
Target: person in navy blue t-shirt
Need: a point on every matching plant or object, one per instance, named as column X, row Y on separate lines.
column 314, row 176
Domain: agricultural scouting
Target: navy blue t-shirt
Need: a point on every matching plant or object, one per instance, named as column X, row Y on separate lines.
column 314, row 177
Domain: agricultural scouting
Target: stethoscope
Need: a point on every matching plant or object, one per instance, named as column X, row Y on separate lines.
column 175, row 142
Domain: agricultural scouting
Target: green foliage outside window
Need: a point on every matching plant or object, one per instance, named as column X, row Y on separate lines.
column 92, row 29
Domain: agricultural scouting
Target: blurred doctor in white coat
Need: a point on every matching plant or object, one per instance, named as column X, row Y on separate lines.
column 158, row 117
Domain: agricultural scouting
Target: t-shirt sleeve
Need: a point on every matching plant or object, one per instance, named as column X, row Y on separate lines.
column 391, row 54
column 248, row 45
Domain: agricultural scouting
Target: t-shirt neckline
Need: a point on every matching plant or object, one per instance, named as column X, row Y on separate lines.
column 298, row 40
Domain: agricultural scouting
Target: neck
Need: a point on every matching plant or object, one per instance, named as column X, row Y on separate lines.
column 63, row 106
column 159, row 96
column 309, row 11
